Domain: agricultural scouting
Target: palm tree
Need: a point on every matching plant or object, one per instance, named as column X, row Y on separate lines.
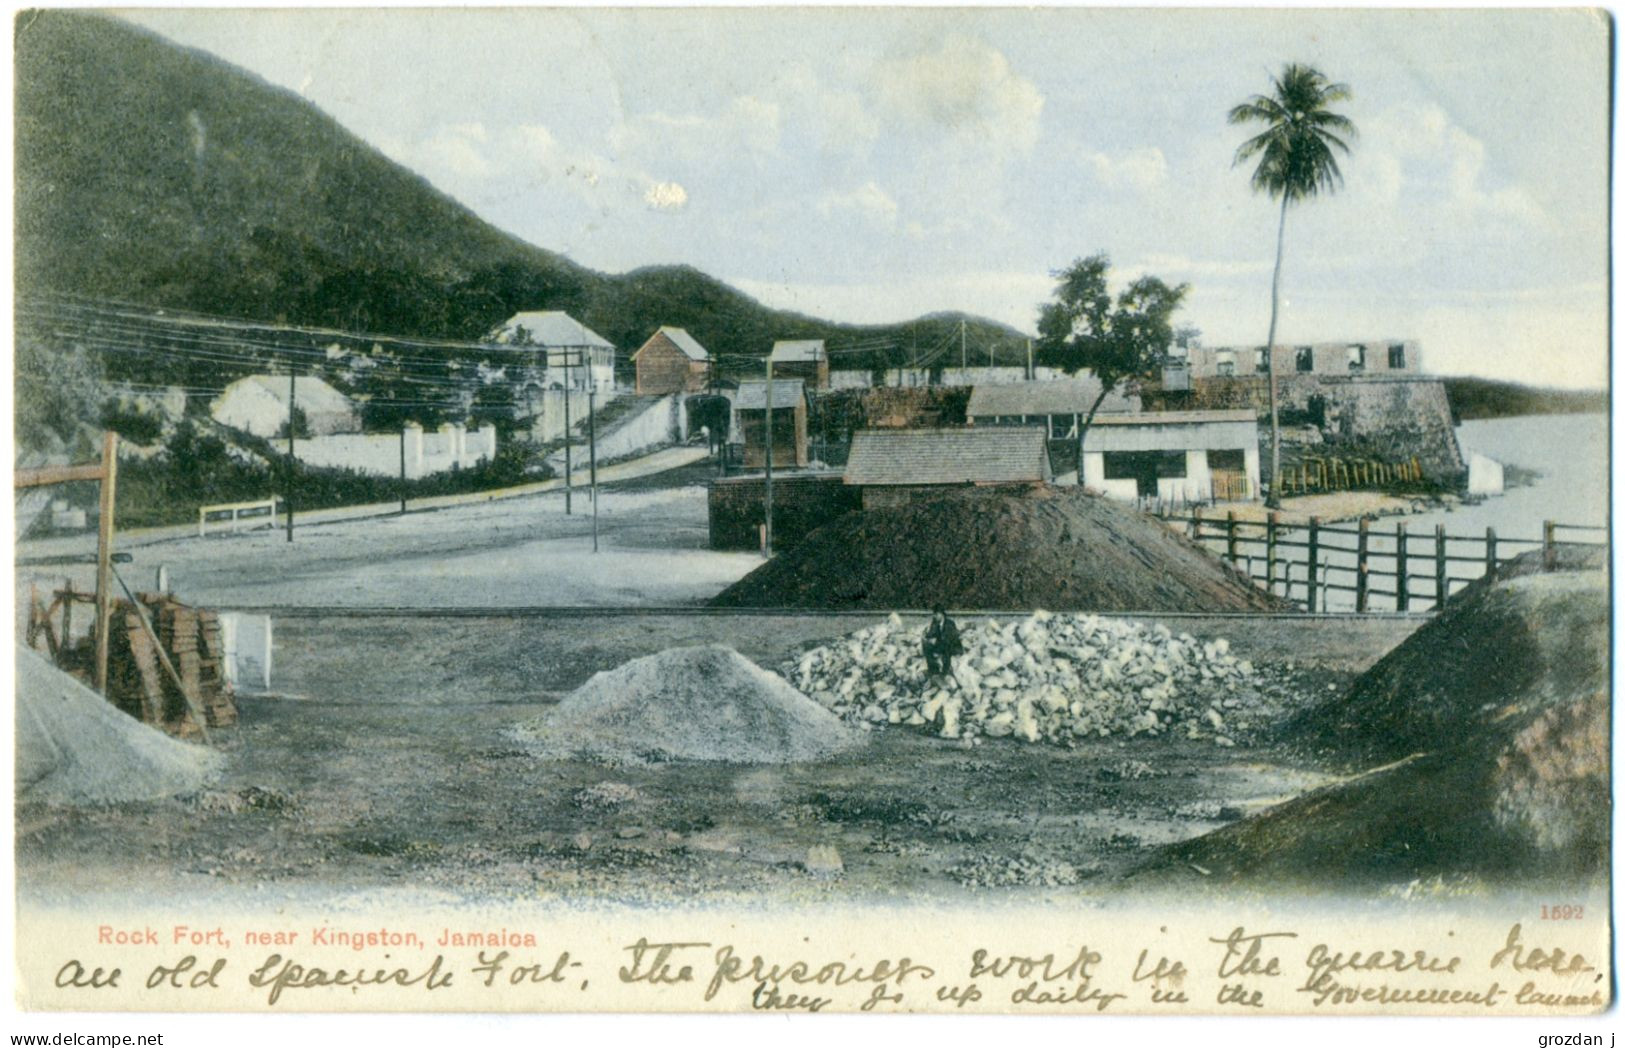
column 1297, row 153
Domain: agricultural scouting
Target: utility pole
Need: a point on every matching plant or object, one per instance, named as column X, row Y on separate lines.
column 1029, row 360
column 104, row 558
column 293, row 463
column 962, row 361
column 567, row 491
column 592, row 458
column 403, row 468
column 767, row 493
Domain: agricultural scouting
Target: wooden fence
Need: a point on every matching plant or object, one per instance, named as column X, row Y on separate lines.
column 1338, row 474
column 1413, row 571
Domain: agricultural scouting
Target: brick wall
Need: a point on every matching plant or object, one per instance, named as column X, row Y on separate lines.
column 801, row 503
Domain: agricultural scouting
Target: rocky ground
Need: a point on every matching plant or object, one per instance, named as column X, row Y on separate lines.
column 388, row 760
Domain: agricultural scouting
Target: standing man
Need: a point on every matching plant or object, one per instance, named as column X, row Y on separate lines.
column 941, row 644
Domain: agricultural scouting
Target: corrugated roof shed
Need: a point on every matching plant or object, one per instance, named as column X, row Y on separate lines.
column 986, row 455
column 752, row 395
column 1071, row 396
column 1177, row 418
column 550, row 329
column 683, row 341
column 792, row 352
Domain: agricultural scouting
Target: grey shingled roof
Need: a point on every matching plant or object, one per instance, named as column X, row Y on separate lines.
column 1068, row 396
column 805, row 350
column 552, row 329
column 686, row 342
column 752, row 395
column 1179, row 418
column 970, row 455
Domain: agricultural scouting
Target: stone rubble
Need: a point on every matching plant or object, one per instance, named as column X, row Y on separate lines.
column 1050, row 677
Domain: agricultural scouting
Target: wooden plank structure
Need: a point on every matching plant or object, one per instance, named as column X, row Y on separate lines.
column 106, row 474
column 170, row 675
column 169, row 666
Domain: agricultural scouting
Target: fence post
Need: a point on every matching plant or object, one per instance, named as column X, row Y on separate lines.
column 1402, row 576
column 1489, row 554
column 1314, row 560
column 1360, row 580
column 1441, row 580
column 1548, row 546
column 1230, row 537
column 1196, row 522
column 1269, row 554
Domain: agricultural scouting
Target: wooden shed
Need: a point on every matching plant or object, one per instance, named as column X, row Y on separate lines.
column 671, row 361
column 892, row 465
column 805, row 359
column 789, row 422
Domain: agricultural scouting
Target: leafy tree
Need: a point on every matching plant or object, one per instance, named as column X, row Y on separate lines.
column 1297, row 159
column 1117, row 340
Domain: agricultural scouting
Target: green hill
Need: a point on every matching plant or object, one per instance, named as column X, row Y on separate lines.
column 1472, row 398
column 154, row 174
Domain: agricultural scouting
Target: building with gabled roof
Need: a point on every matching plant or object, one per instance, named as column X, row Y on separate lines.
column 801, row 358
column 894, row 464
column 671, row 361
column 565, row 349
column 258, row 404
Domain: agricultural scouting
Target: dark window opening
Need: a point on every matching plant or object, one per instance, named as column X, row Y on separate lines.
column 1261, row 360
column 1232, row 460
column 1396, row 357
column 1306, row 358
column 1145, row 468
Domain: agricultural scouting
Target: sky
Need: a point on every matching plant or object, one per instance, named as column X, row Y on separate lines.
column 873, row 165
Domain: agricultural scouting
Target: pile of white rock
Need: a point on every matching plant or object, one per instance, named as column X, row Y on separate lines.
column 1051, row 678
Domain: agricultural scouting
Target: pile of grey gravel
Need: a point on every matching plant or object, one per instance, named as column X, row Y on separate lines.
column 688, row 704
column 76, row 748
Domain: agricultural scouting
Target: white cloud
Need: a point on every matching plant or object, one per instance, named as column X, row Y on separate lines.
column 965, row 88
column 666, row 196
column 746, row 124
column 1140, row 169
column 456, row 149
column 868, row 201
column 1417, row 155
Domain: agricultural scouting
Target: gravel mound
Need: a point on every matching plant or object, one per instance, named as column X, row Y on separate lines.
column 1050, row 678
column 73, row 747
column 1001, row 549
column 692, row 704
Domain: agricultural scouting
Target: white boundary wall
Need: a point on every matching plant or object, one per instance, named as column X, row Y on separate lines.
column 379, row 454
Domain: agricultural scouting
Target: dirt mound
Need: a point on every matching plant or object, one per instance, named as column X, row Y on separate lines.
column 1500, row 651
column 1498, row 711
column 1525, row 805
column 73, row 747
column 1052, row 548
column 698, row 704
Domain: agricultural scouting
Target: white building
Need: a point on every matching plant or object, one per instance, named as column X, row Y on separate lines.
column 566, row 350
column 1176, row 456
column 259, row 405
